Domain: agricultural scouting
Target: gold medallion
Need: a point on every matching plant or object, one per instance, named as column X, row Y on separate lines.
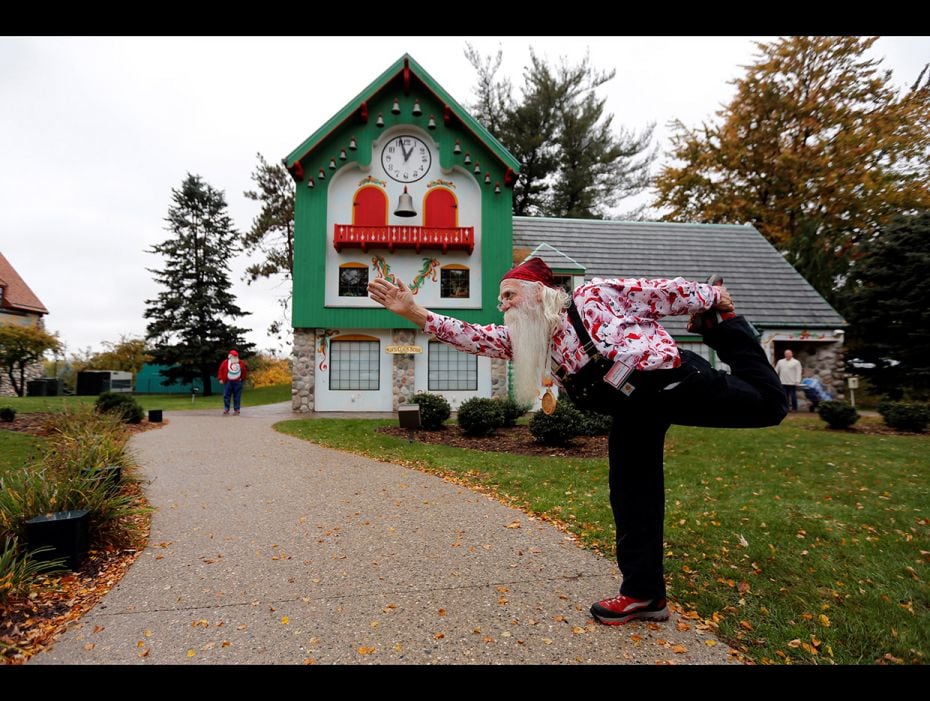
column 548, row 402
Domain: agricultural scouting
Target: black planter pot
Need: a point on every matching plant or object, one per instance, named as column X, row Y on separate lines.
column 110, row 475
column 65, row 532
column 155, row 416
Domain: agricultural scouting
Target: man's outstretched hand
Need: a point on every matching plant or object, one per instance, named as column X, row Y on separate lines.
column 397, row 298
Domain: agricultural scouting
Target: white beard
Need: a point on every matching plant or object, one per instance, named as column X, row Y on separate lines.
column 530, row 335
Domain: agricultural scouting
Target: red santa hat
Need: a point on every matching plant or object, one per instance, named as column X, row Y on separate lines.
column 235, row 353
column 534, row 270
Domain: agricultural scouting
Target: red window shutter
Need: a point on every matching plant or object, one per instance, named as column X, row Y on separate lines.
column 441, row 209
column 370, row 207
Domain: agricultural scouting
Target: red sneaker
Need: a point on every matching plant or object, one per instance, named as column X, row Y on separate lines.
column 623, row 609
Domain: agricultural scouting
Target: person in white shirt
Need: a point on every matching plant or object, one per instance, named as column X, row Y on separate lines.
column 789, row 372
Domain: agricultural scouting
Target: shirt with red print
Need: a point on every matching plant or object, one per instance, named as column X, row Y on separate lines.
column 621, row 316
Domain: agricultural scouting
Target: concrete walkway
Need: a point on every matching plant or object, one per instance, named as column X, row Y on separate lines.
column 266, row 549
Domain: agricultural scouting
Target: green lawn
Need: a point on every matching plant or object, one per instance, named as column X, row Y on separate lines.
column 797, row 543
column 166, row 402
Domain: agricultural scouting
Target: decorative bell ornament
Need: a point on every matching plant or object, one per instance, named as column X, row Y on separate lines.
column 405, row 205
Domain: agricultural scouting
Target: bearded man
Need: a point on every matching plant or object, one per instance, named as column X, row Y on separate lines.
column 605, row 347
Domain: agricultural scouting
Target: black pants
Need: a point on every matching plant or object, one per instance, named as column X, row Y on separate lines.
column 791, row 393
column 751, row 397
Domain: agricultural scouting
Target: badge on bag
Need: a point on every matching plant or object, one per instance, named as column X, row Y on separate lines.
column 617, row 375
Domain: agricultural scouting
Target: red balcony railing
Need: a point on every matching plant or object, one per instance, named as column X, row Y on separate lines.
column 460, row 238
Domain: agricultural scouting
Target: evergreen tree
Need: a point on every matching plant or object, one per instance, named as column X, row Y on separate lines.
column 573, row 163
column 272, row 232
column 818, row 150
column 188, row 327
column 888, row 312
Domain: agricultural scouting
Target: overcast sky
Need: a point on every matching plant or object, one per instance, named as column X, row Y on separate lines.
column 95, row 131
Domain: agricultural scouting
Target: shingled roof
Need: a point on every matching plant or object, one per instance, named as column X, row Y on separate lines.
column 16, row 293
column 765, row 287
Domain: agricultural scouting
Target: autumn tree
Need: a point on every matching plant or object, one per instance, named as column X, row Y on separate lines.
column 818, row 150
column 272, row 232
column 128, row 354
column 888, row 311
column 189, row 328
column 20, row 347
column 574, row 162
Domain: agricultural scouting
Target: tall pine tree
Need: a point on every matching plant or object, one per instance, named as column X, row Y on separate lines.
column 272, row 233
column 888, row 313
column 573, row 162
column 188, row 325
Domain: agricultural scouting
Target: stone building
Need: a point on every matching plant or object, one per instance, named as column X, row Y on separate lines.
column 19, row 306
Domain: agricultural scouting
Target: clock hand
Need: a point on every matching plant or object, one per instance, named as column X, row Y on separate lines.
column 405, row 151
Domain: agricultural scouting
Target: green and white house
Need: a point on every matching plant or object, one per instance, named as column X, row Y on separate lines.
column 404, row 183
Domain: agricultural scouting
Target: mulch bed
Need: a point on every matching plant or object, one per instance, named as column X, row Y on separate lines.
column 520, row 441
column 515, row 439
column 37, row 424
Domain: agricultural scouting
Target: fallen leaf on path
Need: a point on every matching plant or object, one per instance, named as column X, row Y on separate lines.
column 365, row 650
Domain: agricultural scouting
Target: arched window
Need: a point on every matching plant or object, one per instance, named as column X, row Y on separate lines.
column 370, row 207
column 440, row 209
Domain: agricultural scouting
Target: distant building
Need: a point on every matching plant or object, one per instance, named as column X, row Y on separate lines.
column 404, row 183
column 19, row 306
column 149, row 381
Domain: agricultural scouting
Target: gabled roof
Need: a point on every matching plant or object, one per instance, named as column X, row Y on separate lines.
column 555, row 259
column 400, row 68
column 16, row 293
column 765, row 287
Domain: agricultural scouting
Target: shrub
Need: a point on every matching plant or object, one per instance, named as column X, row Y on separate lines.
column 68, row 473
column 905, row 416
column 592, row 423
column 479, row 416
column 267, row 372
column 559, row 428
column 7, row 414
column 434, row 410
column 18, row 569
column 838, row 414
column 122, row 404
column 511, row 410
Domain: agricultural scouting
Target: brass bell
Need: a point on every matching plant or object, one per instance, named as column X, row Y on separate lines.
column 405, row 205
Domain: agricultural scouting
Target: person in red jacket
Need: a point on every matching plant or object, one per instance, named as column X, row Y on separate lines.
column 232, row 374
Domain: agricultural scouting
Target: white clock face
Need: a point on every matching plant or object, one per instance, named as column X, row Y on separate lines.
column 406, row 159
